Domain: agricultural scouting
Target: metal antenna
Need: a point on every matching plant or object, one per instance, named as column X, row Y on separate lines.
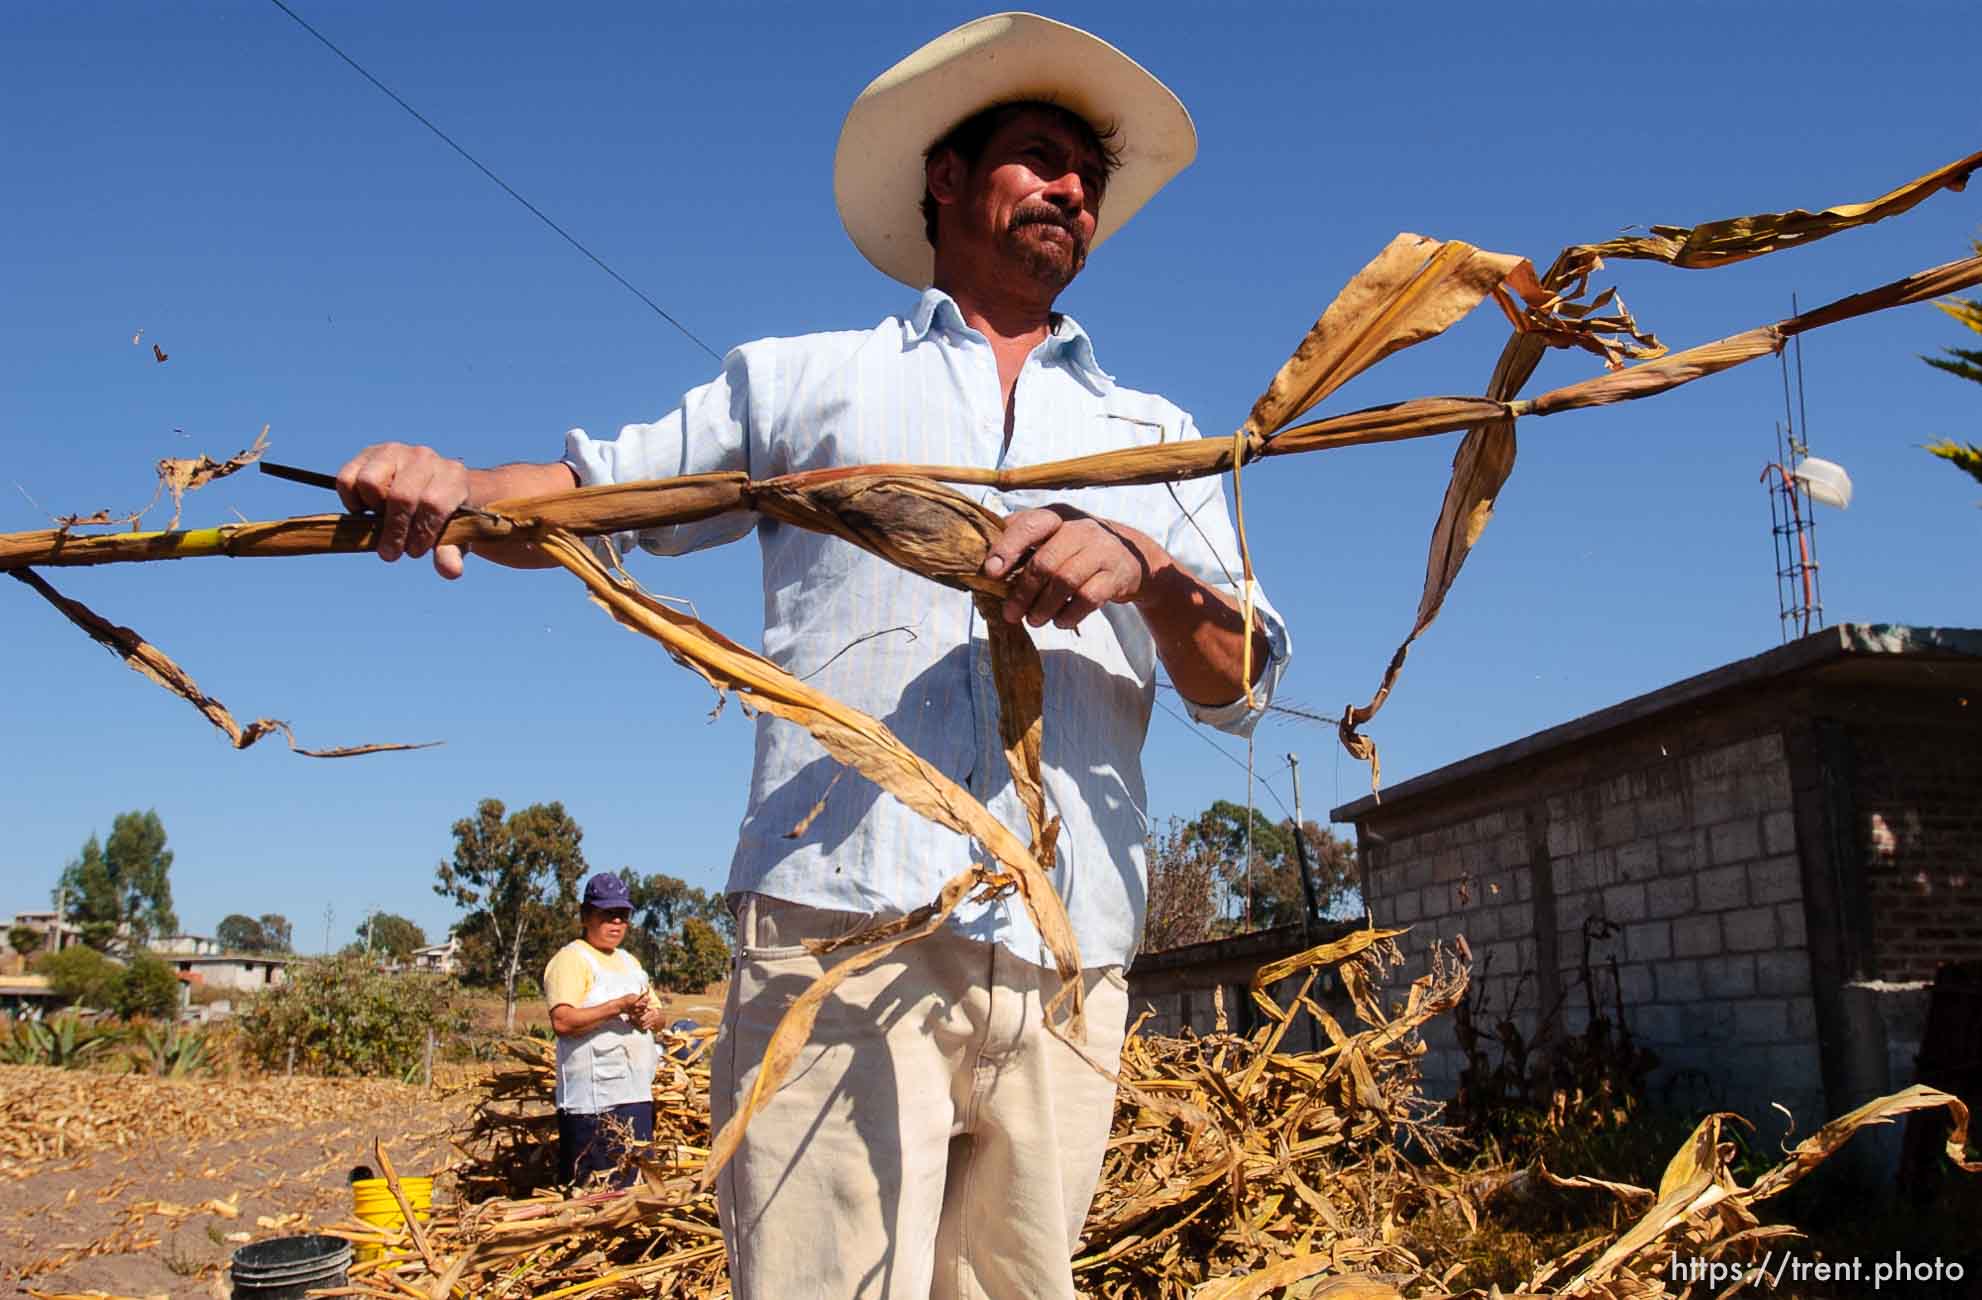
column 1310, row 907
column 1792, row 522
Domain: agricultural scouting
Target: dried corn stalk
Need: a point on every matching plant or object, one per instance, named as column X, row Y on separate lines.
column 1485, row 458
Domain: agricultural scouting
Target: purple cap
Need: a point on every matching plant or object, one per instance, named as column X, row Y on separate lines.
column 605, row 891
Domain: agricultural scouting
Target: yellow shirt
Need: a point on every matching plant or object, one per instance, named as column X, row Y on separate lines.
column 568, row 979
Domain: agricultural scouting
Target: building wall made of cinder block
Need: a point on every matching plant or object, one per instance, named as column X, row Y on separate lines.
column 1466, row 880
column 1675, row 882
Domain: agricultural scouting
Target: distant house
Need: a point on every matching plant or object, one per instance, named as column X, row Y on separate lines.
column 240, row 972
column 438, row 959
column 56, row 934
column 26, row 995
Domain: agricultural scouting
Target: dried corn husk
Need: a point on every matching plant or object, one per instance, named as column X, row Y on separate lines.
column 1485, row 458
column 145, row 658
column 1237, row 1167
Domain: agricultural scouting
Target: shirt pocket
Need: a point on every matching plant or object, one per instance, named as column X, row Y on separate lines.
column 1110, row 427
column 609, row 1063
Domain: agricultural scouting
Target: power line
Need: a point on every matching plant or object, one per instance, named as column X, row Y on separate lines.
column 506, row 187
column 1221, row 751
column 1285, row 710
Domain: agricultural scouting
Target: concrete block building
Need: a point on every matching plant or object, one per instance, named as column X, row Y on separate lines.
column 1766, row 863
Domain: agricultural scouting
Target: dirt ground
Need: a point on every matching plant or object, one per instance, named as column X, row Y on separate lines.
column 162, row 1216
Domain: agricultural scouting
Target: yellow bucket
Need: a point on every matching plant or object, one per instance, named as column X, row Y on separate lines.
column 372, row 1202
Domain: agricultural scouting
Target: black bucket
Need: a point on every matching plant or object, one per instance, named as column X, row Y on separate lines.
column 287, row 1268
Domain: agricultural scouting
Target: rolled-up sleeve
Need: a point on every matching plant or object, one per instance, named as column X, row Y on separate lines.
column 1202, row 540
column 708, row 433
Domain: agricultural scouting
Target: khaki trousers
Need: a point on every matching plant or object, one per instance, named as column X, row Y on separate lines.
column 933, row 1140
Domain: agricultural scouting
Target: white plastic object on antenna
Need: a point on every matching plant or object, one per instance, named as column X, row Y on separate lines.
column 1826, row 481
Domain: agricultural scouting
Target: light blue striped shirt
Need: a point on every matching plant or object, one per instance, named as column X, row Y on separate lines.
column 925, row 390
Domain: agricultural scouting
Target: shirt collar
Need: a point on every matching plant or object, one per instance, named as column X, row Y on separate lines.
column 936, row 311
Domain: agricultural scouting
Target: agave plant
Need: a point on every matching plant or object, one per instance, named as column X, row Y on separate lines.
column 65, row 1043
column 171, row 1052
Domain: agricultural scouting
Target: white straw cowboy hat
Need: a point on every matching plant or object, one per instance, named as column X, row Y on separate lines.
column 877, row 170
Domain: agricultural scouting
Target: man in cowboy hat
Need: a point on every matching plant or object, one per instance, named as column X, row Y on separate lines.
column 933, row 1138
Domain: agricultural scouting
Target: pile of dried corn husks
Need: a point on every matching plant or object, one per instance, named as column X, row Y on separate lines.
column 1237, row 1170
column 660, row 1238
column 50, row 1114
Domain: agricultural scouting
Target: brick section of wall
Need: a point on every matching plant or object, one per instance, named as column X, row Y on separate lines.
column 1920, row 829
column 1680, row 875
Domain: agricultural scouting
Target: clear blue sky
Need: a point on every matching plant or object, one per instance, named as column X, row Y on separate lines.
column 312, row 259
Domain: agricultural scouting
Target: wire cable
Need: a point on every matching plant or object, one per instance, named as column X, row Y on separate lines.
column 535, row 211
column 1284, row 710
column 1221, row 751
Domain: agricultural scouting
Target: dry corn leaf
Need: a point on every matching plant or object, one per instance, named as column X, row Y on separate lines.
column 1813, row 1150
column 1485, row 458
column 1413, row 290
column 913, row 523
column 143, row 657
column 1020, row 679
column 182, row 476
column 1736, row 239
column 1626, row 1192
column 1692, row 1182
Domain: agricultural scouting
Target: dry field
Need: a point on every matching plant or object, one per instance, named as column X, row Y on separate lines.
column 1241, row 1168
column 143, row 1187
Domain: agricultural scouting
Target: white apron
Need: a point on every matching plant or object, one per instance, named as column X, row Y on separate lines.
column 613, row 1064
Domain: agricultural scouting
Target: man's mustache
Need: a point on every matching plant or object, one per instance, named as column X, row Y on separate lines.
column 1048, row 217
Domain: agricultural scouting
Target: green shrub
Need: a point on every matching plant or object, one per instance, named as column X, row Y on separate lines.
column 341, row 1016
column 24, row 939
column 79, row 975
column 146, row 989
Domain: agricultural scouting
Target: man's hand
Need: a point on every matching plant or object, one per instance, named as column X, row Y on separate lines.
column 416, row 490
column 1078, row 563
